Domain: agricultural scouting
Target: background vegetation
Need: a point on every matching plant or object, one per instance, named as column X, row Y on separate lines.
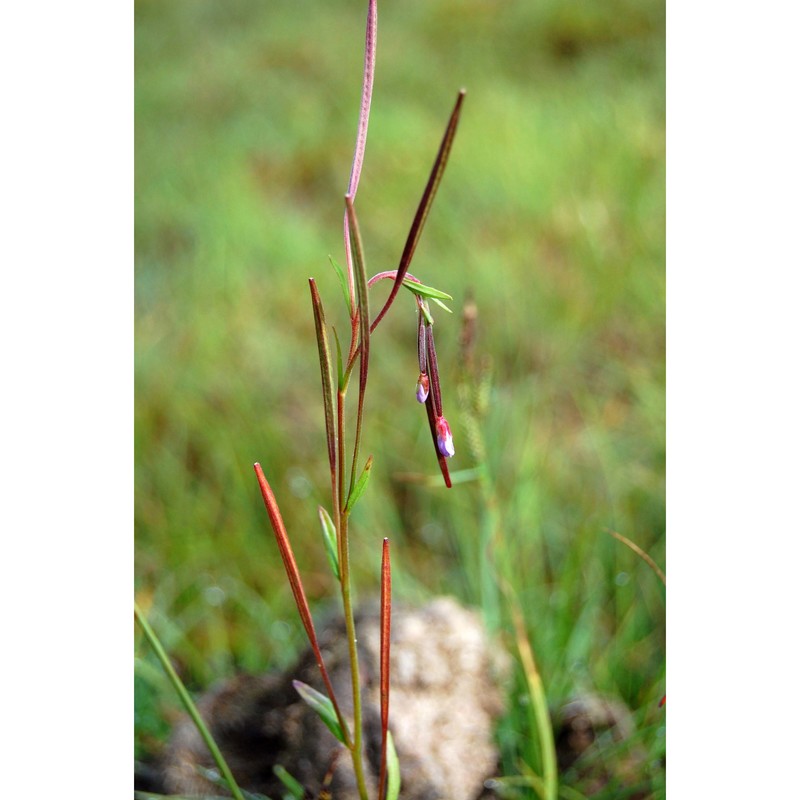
column 551, row 216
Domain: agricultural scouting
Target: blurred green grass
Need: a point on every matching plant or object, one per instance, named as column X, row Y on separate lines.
column 551, row 214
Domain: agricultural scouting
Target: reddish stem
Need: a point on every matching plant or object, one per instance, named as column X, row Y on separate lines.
column 390, row 273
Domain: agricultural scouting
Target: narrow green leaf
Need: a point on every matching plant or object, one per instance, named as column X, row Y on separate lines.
column 440, row 303
column 342, row 282
column 322, row 706
column 329, row 537
column 392, row 769
column 358, row 489
column 426, row 291
column 294, row 786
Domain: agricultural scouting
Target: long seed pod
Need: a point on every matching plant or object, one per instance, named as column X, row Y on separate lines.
column 433, row 372
column 370, row 45
column 424, row 205
column 386, row 628
column 293, row 574
column 327, row 378
column 360, row 272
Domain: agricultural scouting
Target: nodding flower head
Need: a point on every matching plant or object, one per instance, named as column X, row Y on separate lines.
column 423, row 384
column 444, row 438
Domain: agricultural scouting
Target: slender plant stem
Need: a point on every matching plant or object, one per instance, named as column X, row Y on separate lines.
column 188, row 703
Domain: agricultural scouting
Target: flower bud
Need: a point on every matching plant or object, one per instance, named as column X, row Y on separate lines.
column 422, row 387
column 444, row 438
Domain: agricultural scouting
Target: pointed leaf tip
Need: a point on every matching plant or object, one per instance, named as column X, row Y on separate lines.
column 329, row 537
column 392, row 769
column 361, row 485
column 322, row 705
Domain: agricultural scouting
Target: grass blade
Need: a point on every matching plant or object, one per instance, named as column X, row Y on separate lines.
column 294, row 786
column 642, row 554
column 188, row 703
column 538, row 701
column 424, row 205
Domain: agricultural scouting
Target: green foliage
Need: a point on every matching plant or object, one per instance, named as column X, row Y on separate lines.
column 437, row 295
column 360, row 486
column 551, row 215
column 329, row 538
column 392, row 769
column 322, row 706
column 296, row 791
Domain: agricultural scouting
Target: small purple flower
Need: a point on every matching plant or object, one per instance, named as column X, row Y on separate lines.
column 422, row 387
column 444, row 438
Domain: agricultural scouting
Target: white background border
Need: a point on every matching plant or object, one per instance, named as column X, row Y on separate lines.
column 66, row 322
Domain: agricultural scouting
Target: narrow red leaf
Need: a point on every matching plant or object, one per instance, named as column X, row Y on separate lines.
column 293, row 574
column 386, row 628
